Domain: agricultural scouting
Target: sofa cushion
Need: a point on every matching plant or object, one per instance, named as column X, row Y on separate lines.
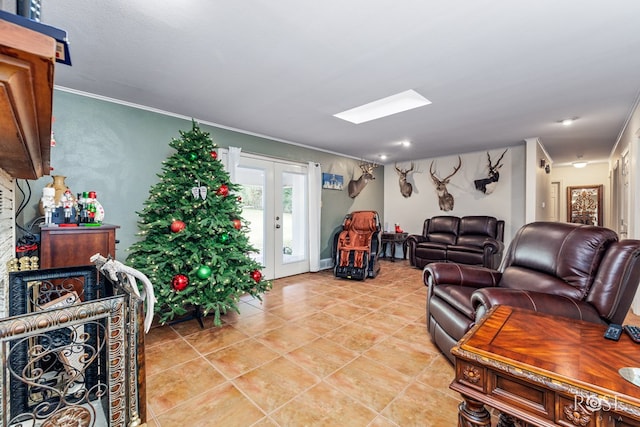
column 523, row 278
column 570, row 258
column 443, row 229
column 458, row 297
column 465, row 249
column 431, row 251
column 432, row 246
column 466, row 256
column 474, row 230
column 478, row 225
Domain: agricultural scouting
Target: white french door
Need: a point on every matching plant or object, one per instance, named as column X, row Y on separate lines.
column 275, row 202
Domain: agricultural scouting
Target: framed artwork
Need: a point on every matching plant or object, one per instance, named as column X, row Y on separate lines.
column 584, row 204
column 331, row 181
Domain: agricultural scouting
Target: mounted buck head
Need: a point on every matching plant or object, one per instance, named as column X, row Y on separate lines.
column 445, row 199
column 405, row 187
column 356, row 186
column 487, row 185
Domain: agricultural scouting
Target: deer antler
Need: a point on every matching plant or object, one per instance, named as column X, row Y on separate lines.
column 435, row 178
column 431, row 172
column 497, row 165
column 456, row 169
column 368, row 166
column 401, row 171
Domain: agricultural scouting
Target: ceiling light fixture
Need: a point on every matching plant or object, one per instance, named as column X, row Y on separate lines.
column 384, row 107
column 406, row 143
column 579, row 163
column 567, row 122
column 383, row 157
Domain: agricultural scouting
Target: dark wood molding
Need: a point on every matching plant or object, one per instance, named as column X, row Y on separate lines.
column 27, row 61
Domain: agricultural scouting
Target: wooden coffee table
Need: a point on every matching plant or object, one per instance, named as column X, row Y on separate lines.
column 544, row 370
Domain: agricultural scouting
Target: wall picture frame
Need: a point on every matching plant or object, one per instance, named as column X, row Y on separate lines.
column 584, row 204
column 332, row 181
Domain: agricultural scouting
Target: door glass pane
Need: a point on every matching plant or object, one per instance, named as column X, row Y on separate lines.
column 252, row 183
column 294, row 231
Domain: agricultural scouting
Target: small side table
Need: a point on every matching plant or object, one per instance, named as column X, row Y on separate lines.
column 393, row 239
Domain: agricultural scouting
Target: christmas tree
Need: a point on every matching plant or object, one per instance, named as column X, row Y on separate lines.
column 193, row 242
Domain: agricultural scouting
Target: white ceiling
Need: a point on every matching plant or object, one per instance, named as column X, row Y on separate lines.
column 497, row 71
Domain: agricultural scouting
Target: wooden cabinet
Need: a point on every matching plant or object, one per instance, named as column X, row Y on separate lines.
column 26, row 97
column 74, row 246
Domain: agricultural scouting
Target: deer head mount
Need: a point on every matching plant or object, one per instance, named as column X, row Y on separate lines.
column 487, row 185
column 356, row 186
column 405, row 187
column 445, row 199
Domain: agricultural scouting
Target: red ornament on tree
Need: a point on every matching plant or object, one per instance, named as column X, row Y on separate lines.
column 179, row 282
column 237, row 224
column 177, row 226
column 256, row 275
column 223, row 190
column 214, row 155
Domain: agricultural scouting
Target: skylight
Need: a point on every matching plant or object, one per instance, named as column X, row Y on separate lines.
column 384, row 107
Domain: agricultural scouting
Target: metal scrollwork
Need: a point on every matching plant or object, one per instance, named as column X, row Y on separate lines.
column 72, row 347
column 55, row 373
column 60, row 294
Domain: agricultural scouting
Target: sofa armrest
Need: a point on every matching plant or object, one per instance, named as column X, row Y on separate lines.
column 416, row 238
column 493, row 246
column 412, row 242
column 492, row 253
column 443, row 273
column 483, row 299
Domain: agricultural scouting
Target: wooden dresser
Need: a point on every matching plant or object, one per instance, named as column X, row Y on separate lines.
column 74, row 246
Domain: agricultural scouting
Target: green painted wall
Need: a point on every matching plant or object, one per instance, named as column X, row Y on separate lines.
column 117, row 150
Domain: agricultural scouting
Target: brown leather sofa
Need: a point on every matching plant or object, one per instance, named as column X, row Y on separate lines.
column 474, row 240
column 570, row 270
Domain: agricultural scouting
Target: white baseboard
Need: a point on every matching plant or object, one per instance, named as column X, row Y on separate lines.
column 326, row 264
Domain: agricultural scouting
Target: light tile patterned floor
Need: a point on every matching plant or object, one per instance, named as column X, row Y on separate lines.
column 318, row 351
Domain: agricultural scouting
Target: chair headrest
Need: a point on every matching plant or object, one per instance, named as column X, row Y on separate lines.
column 570, row 252
column 363, row 221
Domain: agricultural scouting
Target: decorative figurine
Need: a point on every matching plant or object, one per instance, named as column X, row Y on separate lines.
column 67, row 203
column 48, row 203
column 12, row 265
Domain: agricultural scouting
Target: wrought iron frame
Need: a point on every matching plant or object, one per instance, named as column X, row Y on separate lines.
column 120, row 365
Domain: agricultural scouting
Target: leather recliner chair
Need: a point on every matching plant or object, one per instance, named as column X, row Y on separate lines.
column 569, row 270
